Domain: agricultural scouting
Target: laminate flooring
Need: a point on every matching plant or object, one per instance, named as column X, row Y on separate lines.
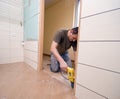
column 20, row 81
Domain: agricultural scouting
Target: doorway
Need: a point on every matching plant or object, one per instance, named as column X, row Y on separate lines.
column 57, row 15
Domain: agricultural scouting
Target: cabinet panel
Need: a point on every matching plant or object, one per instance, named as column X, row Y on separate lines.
column 102, row 27
column 90, row 7
column 100, row 81
column 83, row 93
column 102, row 55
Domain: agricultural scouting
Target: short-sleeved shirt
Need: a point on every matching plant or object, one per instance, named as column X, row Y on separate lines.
column 61, row 37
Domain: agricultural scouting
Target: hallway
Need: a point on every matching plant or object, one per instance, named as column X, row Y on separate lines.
column 20, row 81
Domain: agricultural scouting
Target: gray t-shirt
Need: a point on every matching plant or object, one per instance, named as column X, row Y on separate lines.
column 63, row 41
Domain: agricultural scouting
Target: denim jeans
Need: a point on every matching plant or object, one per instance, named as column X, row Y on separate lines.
column 55, row 65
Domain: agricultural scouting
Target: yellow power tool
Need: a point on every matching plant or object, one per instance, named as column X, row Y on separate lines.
column 71, row 76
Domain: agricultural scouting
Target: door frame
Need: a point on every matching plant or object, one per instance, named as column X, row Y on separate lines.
column 41, row 35
column 41, row 39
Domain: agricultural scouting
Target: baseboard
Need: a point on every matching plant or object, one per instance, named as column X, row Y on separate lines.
column 46, row 54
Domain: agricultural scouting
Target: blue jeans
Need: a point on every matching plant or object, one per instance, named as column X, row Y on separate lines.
column 55, row 65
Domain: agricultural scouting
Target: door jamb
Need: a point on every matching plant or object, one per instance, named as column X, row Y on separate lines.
column 41, row 35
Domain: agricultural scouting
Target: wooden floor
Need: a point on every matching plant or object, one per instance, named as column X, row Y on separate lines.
column 20, row 81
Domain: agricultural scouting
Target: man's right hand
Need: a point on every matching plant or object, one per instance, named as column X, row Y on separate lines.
column 63, row 66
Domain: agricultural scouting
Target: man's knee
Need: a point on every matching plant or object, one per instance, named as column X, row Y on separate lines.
column 54, row 69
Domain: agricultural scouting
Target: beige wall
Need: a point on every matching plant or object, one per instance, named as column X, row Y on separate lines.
column 59, row 15
column 98, row 70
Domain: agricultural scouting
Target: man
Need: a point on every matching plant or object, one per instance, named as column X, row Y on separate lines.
column 62, row 41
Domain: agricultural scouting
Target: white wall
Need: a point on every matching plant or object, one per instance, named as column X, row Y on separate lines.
column 31, row 32
column 98, row 70
column 11, row 31
column 31, row 53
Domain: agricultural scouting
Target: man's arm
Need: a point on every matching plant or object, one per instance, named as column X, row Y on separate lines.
column 53, row 49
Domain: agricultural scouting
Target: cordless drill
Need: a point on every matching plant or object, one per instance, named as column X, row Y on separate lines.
column 71, row 77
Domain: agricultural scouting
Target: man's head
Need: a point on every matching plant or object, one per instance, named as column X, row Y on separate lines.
column 73, row 34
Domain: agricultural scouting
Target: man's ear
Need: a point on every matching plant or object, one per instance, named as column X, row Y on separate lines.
column 71, row 32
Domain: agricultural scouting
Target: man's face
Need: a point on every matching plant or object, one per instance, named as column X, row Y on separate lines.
column 72, row 37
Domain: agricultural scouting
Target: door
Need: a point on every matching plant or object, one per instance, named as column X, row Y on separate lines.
column 11, row 31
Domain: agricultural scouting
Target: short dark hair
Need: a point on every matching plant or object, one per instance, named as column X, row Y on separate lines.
column 75, row 30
